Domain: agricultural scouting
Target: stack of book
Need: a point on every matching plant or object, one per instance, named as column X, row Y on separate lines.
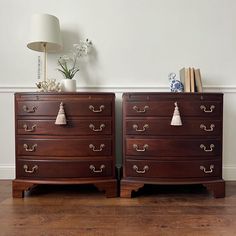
column 191, row 78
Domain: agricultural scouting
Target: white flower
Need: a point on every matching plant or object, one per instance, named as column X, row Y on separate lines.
column 69, row 64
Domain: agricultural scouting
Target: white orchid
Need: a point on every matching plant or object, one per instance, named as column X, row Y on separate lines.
column 69, row 65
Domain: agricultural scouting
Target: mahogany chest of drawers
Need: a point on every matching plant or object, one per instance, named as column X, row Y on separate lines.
column 155, row 152
column 80, row 152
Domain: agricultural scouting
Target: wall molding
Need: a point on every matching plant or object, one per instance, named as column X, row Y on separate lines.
column 121, row 89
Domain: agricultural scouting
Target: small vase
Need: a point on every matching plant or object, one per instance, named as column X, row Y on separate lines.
column 68, row 85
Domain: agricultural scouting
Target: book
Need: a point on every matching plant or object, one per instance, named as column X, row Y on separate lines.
column 182, row 75
column 198, row 80
column 188, row 81
column 185, row 78
column 192, row 80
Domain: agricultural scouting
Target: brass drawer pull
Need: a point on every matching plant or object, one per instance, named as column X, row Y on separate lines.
column 101, row 108
column 212, row 107
column 135, row 126
column 25, row 126
column 93, row 168
column 207, row 171
column 26, row 168
column 26, row 109
column 212, row 126
column 145, row 168
column 91, row 146
column 32, row 149
column 139, row 110
column 202, row 146
column 92, row 127
column 145, row 147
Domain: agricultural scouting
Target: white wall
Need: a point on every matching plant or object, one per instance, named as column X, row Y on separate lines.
column 137, row 44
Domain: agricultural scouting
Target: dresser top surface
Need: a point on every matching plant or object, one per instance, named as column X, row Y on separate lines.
column 40, row 96
column 170, row 96
column 64, row 93
column 170, row 93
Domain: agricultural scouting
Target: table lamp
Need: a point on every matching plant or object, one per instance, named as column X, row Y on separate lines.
column 45, row 36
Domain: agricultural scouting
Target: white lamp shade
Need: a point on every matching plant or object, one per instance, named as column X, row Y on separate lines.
column 45, row 29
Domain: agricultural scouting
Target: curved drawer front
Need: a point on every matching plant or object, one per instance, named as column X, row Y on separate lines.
column 64, row 147
column 161, row 126
column 166, row 108
column 72, row 108
column 173, row 147
column 63, row 169
column 173, row 169
column 73, row 127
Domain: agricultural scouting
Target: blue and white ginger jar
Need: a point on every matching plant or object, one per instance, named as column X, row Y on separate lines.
column 175, row 85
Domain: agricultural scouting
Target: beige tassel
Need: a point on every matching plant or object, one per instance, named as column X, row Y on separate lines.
column 176, row 119
column 61, row 117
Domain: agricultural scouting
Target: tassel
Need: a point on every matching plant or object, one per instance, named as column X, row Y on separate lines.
column 61, row 117
column 176, row 119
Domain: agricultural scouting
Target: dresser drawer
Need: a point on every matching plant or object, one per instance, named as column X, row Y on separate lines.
column 161, row 126
column 63, row 169
column 172, row 169
column 175, row 147
column 71, row 107
column 166, row 108
column 73, row 127
column 64, row 147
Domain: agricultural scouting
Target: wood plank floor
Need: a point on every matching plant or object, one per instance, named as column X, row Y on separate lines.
column 82, row 210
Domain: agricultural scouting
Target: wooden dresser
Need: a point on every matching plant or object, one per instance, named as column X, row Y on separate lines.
column 79, row 152
column 155, row 152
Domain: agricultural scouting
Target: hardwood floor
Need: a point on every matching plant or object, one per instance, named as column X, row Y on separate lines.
column 82, row 210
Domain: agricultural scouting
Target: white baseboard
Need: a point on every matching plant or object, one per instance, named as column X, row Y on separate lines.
column 8, row 172
column 229, row 172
